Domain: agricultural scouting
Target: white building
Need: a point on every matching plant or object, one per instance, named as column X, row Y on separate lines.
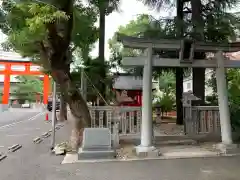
column 188, row 83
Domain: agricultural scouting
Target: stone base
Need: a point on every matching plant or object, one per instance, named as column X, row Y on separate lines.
column 96, row 154
column 151, row 151
column 227, row 148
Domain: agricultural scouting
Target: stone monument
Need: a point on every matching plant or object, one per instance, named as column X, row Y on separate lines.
column 96, row 144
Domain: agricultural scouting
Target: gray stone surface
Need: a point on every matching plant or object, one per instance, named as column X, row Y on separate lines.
column 35, row 162
column 3, row 107
column 8, row 117
column 96, row 154
column 228, row 148
column 96, row 138
column 150, row 152
column 96, row 144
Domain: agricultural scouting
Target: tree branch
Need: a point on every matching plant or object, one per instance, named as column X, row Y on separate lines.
column 60, row 45
column 44, row 55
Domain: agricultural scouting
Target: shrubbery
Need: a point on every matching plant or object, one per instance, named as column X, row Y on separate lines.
column 233, row 80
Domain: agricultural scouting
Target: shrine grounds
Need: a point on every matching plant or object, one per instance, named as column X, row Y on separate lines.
column 35, row 162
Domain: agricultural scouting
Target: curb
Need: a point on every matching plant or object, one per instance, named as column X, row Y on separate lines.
column 46, row 135
column 37, row 140
column 2, row 156
column 145, row 159
column 14, row 148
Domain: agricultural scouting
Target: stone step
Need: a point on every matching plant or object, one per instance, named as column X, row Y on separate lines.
column 172, row 138
column 175, row 142
column 96, row 154
column 158, row 138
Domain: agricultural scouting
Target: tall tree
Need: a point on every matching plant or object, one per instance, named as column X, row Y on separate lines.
column 134, row 28
column 43, row 31
column 105, row 7
column 199, row 20
column 179, row 71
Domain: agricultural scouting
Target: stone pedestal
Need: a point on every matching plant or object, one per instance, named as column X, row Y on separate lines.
column 96, row 144
column 150, row 152
column 115, row 136
column 227, row 148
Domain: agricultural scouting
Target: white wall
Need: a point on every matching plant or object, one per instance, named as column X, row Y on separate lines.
column 188, row 84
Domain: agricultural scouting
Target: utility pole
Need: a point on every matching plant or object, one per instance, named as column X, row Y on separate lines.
column 53, row 114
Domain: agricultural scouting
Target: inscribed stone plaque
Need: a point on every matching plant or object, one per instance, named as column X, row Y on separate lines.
column 96, row 138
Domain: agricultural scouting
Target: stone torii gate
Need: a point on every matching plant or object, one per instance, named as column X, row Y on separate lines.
column 219, row 61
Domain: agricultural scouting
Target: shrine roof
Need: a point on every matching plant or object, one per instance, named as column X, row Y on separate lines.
column 129, row 83
column 12, row 57
column 176, row 44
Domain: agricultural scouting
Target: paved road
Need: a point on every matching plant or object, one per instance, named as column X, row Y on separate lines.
column 16, row 115
column 35, row 162
column 22, row 129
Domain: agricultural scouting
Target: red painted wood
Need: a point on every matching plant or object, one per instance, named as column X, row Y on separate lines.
column 7, row 72
column 6, row 88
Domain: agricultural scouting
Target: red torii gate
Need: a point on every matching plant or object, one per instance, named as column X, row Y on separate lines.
column 7, row 69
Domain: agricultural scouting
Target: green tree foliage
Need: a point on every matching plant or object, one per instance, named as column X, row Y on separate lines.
column 25, row 26
column 166, row 103
column 218, row 24
column 92, row 69
column 233, row 81
column 28, row 87
column 167, row 83
column 167, row 86
column 105, row 7
column 44, row 32
column 133, row 28
column 144, row 26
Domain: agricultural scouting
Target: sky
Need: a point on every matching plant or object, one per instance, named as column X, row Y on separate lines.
column 129, row 10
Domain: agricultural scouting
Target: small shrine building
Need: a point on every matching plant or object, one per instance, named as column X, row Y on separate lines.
column 128, row 89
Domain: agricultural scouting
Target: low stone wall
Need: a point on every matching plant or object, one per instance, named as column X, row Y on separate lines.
column 16, row 106
column 3, row 107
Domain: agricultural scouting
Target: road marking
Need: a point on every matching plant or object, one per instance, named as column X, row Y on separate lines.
column 30, row 119
column 17, row 135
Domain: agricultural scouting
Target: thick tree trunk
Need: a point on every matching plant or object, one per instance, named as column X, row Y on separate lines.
column 58, row 60
column 198, row 73
column 179, row 92
column 199, row 85
column 78, row 107
column 179, row 71
column 81, row 118
column 63, row 109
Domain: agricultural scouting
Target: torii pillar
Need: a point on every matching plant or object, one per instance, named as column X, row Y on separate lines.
column 226, row 131
column 146, row 145
column 219, row 62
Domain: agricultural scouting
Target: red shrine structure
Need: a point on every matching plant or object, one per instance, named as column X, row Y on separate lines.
column 128, row 90
column 13, row 64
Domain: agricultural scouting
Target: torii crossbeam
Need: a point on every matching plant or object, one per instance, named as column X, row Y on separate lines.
column 219, row 61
